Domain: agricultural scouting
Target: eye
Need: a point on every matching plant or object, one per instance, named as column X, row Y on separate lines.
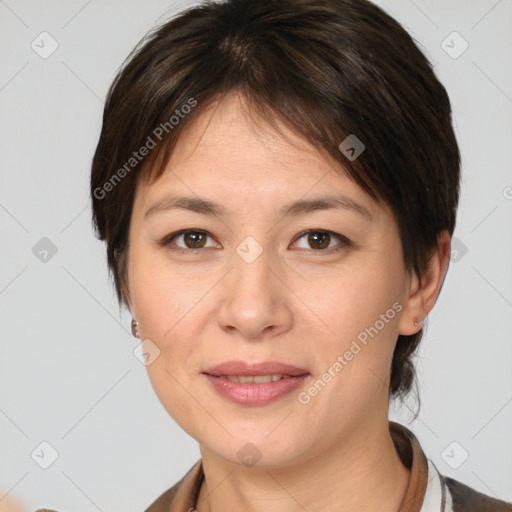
column 321, row 240
column 192, row 239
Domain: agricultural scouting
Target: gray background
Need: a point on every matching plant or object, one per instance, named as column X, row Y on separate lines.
column 68, row 375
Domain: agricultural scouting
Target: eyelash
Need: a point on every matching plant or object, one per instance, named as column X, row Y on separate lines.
column 345, row 242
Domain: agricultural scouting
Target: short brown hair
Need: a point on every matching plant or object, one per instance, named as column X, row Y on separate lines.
column 327, row 69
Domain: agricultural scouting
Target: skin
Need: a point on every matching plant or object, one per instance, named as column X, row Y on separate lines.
column 296, row 303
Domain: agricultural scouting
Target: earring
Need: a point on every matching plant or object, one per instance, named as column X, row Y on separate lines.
column 135, row 331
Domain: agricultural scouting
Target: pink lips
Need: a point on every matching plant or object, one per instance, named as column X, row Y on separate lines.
column 251, row 393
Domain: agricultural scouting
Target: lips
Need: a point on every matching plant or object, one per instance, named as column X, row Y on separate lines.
column 243, row 369
column 255, row 384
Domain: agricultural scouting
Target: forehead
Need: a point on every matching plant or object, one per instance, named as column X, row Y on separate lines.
column 231, row 129
column 230, row 154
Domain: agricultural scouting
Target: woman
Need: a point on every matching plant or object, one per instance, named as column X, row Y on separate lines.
column 277, row 185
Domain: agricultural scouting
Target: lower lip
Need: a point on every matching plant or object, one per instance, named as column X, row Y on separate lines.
column 253, row 394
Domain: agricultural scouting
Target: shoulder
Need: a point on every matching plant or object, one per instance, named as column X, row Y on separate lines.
column 183, row 494
column 466, row 499
column 164, row 501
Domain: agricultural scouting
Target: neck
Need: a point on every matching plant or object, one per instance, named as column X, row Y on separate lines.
column 364, row 472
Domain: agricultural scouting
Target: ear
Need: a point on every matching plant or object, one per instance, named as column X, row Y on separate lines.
column 423, row 295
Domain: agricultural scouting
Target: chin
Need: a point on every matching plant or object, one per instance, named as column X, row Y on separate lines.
column 257, row 450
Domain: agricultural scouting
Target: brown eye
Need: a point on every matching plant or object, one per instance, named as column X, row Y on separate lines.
column 318, row 240
column 194, row 239
column 187, row 240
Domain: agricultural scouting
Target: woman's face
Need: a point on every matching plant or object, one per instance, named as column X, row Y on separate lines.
column 321, row 289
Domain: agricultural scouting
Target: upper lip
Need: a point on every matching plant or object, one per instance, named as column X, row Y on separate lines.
column 247, row 369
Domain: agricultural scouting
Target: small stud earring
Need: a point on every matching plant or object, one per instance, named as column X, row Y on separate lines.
column 135, row 331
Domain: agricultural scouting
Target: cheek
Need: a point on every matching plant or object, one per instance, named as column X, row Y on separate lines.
column 171, row 305
column 359, row 316
column 356, row 300
column 170, row 311
column 161, row 296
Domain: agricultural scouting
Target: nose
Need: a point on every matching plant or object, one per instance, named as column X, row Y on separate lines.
column 255, row 300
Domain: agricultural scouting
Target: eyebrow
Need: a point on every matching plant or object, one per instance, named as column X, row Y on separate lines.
column 295, row 208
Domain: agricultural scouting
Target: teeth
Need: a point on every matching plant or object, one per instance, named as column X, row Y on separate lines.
column 257, row 379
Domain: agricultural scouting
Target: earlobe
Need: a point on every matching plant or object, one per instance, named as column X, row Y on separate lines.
column 423, row 294
column 135, row 328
